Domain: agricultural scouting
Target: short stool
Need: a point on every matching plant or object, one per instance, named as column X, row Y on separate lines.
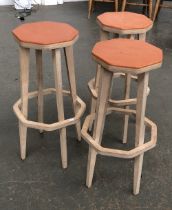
column 122, row 56
column 52, row 36
column 127, row 25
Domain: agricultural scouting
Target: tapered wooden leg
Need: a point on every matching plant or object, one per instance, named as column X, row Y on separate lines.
column 123, row 5
column 90, row 4
column 142, row 36
column 156, row 9
column 150, row 8
column 103, row 97
column 140, row 127
column 127, row 96
column 116, row 5
column 72, row 82
column 104, row 35
column 24, row 85
column 40, row 85
column 59, row 100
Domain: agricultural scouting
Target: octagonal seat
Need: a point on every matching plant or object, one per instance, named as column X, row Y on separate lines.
column 123, row 22
column 45, row 33
column 128, row 55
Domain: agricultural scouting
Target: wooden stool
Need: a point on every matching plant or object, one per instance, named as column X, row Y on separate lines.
column 47, row 36
column 147, row 3
column 132, row 25
column 127, row 56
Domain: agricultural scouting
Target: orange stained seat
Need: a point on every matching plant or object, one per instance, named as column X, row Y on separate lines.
column 127, row 53
column 45, row 33
column 124, row 20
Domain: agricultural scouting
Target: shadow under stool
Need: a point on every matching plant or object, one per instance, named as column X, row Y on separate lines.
column 52, row 36
column 121, row 24
column 122, row 56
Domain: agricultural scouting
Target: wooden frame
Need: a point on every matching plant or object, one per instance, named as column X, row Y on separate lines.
column 104, row 107
column 104, row 35
column 21, row 106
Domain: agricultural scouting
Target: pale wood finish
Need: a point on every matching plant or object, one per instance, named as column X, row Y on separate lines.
column 101, row 108
column 59, row 100
column 99, row 116
column 21, row 106
column 104, row 35
column 40, row 86
column 149, row 5
column 127, row 96
column 24, row 85
column 116, row 152
column 140, row 127
column 52, row 126
column 72, row 83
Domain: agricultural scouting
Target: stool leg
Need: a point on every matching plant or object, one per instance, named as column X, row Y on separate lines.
column 104, row 35
column 150, row 8
column 72, row 82
column 102, row 102
column 140, row 127
column 59, row 100
column 40, row 85
column 116, row 5
column 124, row 2
column 24, row 85
column 142, row 37
column 90, row 4
column 157, row 5
column 127, row 96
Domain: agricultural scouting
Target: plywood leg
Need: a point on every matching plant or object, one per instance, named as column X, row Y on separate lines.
column 140, row 127
column 103, row 97
column 157, row 5
column 90, row 5
column 59, row 100
column 40, row 85
column 150, row 8
column 127, row 96
column 93, row 100
column 116, row 5
column 24, row 85
column 142, row 37
column 124, row 2
column 104, row 35
column 72, row 82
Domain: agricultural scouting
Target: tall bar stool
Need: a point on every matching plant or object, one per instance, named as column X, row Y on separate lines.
column 52, row 36
column 127, row 24
column 127, row 56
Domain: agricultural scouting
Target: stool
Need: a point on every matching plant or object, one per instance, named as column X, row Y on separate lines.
column 132, row 25
column 47, row 36
column 125, row 56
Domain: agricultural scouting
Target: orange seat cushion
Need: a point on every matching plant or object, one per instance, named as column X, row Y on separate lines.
column 126, row 53
column 45, row 33
column 124, row 20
